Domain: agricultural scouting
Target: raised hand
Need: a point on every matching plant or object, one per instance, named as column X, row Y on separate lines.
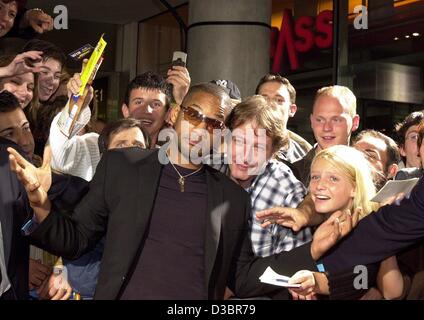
column 37, row 182
column 37, row 19
column 337, row 226
column 180, row 79
column 23, row 63
column 74, row 85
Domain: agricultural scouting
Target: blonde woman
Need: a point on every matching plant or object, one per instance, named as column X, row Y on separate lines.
column 341, row 179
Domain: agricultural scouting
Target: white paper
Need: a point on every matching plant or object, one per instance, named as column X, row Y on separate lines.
column 272, row 277
column 394, row 187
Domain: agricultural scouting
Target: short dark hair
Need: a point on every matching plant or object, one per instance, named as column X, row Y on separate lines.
column 20, row 3
column 8, row 102
column 50, row 50
column 217, row 91
column 6, row 59
column 266, row 114
column 118, row 126
column 393, row 154
column 412, row 119
column 270, row 77
column 149, row 80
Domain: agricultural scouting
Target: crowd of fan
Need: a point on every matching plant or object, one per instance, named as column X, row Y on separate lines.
column 299, row 195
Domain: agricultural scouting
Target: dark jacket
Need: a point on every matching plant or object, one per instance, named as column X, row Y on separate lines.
column 119, row 205
column 382, row 234
column 378, row 236
column 15, row 211
column 303, row 167
column 408, row 173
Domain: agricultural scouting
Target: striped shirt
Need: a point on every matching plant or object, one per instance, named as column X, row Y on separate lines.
column 294, row 152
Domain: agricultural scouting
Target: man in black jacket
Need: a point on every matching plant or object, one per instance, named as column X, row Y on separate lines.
column 174, row 229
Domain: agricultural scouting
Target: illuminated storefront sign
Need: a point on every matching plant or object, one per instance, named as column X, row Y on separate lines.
column 301, row 37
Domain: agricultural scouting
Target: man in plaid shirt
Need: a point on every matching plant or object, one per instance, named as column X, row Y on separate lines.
column 276, row 186
column 257, row 135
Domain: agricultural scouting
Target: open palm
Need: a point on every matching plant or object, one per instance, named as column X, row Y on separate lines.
column 37, row 181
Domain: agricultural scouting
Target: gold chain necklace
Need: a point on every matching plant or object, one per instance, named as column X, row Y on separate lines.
column 181, row 179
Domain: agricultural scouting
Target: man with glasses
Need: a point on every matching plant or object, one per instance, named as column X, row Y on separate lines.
column 407, row 133
column 381, row 152
column 174, row 230
column 280, row 91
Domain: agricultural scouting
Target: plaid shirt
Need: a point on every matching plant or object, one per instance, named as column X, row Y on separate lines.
column 276, row 186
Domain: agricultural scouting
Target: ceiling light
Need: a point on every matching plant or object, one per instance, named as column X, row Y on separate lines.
column 415, row 34
column 396, row 38
column 407, row 36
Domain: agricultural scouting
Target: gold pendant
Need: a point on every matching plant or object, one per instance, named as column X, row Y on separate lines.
column 181, row 182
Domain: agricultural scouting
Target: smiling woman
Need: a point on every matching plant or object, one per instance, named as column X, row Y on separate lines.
column 8, row 13
column 341, row 179
column 22, row 85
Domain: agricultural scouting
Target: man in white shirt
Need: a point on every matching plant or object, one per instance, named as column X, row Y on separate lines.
column 148, row 98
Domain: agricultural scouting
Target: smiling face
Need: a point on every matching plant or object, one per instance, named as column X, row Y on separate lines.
column 49, row 78
column 251, row 149
column 148, row 106
column 331, row 124
column 330, row 189
column 132, row 137
column 375, row 150
column 277, row 92
column 8, row 12
column 15, row 127
column 410, row 148
column 194, row 136
column 21, row 86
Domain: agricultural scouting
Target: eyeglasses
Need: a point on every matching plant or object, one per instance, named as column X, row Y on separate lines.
column 195, row 117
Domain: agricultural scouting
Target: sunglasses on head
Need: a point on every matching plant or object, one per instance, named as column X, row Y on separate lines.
column 195, row 117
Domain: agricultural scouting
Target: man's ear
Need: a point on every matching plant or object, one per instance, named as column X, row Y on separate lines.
column 392, row 170
column 292, row 110
column 172, row 114
column 355, row 122
column 402, row 151
column 125, row 110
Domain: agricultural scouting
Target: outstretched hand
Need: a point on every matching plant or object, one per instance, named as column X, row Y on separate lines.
column 292, row 218
column 37, row 182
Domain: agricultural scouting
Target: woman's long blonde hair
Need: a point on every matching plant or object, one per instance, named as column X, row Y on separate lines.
column 353, row 164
